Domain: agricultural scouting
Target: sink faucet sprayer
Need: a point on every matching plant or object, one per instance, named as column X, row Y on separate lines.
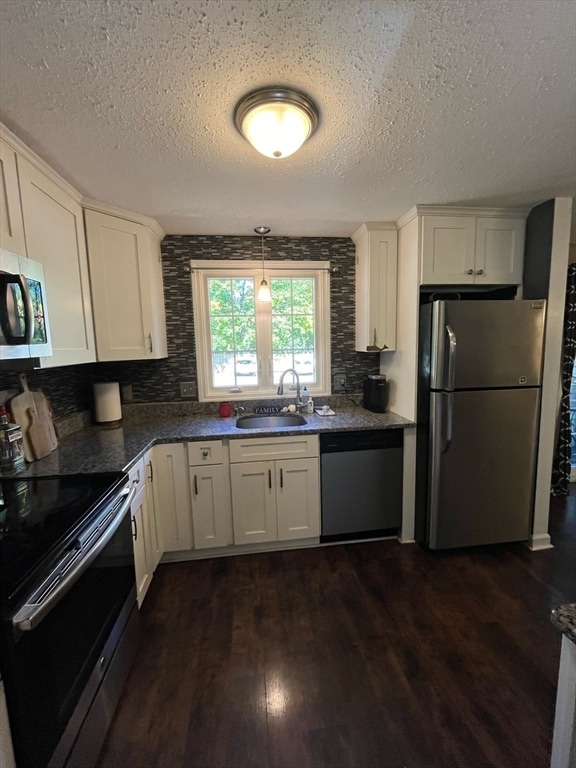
column 281, row 388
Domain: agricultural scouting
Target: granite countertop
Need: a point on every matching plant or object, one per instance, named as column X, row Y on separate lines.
column 564, row 617
column 96, row 449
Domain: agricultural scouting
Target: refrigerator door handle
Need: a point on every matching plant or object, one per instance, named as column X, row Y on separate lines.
column 451, row 368
column 441, row 417
column 436, row 443
column 449, row 410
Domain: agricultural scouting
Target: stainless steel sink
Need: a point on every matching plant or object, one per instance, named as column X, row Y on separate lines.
column 274, row 420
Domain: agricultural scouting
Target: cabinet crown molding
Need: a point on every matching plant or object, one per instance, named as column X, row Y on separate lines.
column 449, row 210
column 121, row 213
column 373, row 226
column 24, row 151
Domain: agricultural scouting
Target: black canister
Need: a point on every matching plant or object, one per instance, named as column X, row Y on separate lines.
column 376, row 393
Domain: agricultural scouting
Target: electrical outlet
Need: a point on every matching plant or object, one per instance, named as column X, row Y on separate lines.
column 339, row 382
column 187, row 389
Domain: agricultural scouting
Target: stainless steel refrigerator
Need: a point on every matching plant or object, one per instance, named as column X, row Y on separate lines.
column 479, row 404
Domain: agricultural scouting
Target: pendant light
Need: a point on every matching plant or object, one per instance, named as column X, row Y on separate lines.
column 263, row 290
column 276, row 121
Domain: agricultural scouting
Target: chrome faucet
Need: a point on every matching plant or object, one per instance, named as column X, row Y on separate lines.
column 281, row 388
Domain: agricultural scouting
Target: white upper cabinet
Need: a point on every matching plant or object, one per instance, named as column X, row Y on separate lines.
column 127, row 289
column 54, row 231
column 448, row 249
column 499, row 250
column 473, row 248
column 11, row 222
column 376, row 270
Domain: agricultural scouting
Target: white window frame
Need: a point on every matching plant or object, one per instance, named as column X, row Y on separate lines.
column 201, row 271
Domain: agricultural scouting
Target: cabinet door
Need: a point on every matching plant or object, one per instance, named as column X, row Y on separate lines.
column 139, row 510
column 172, row 500
column 254, row 502
column 55, row 237
column 154, row 541
column 499, row 251
column 210, row 506
column 298, row 499
column 127, row 289
column 448, row 250
column 11, row 222
column 376, row 268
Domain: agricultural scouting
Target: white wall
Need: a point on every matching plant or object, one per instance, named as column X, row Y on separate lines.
column 551, row 389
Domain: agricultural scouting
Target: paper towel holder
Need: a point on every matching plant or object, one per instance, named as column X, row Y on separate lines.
column 107, row 406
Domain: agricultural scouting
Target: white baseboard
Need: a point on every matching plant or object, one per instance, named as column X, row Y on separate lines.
column 539, row 541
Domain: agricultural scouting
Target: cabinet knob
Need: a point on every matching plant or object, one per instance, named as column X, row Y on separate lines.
column 480, row 272
column 469, row 271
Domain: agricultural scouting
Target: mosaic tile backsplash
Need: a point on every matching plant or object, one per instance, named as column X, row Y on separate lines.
column 70, row 388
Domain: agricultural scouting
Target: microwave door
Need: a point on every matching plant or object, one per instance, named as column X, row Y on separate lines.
column 16, row 316
column 24, row 326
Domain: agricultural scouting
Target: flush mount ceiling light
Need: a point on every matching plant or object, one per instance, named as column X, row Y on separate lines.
column 263, row 290
column 276, row 121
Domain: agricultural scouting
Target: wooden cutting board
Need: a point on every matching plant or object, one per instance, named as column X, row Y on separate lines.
column 21, row 406
column 31, row 410
column 41, row 431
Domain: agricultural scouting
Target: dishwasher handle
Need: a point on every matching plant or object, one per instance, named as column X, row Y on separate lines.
column 370, row 440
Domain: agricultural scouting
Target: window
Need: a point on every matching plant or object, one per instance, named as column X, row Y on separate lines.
column 243, row 345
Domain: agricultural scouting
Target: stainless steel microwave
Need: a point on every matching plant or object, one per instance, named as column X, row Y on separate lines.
column 24, row 325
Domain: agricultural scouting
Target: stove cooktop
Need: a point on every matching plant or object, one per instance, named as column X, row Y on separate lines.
column 39, row 515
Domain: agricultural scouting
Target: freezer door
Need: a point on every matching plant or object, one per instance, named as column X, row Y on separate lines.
column 482, row 460
column 478, row 344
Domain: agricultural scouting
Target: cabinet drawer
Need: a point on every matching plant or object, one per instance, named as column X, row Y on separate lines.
column 206, row 452
column 137, row 475
column 265, row 448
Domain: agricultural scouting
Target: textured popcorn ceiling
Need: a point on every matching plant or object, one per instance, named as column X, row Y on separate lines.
column 422, row 101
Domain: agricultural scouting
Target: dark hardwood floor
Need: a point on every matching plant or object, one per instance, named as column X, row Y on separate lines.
column 374, row 655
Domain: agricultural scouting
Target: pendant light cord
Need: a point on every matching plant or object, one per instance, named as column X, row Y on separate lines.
column 264, row 291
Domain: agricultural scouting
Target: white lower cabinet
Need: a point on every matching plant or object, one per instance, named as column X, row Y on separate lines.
column 254, row 502
column 142, row 567
column 154, row 551
column 139, row 510
column 210, row 494
column 213, row 494
column 279, row 499
column 297, row 499
column 172, row 497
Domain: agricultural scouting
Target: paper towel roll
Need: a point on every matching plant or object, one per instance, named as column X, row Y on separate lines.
column 107, row 403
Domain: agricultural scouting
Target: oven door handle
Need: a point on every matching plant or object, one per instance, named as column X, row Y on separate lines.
column 44, row 598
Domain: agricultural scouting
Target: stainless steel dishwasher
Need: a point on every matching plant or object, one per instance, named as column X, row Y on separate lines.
column 361, row 484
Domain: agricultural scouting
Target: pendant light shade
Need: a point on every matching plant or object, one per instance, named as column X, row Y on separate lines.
column 276, row 121
column 264, row 289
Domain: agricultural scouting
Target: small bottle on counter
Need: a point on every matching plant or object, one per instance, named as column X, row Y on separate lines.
column 304, row 396
column 11, row 445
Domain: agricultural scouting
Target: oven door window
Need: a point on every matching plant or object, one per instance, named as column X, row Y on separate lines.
column 52, row 663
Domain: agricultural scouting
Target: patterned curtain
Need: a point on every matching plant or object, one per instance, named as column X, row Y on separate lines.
column 561, row 465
